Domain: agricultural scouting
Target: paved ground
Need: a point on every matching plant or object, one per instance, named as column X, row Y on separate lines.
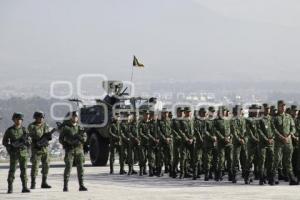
column 101, row 185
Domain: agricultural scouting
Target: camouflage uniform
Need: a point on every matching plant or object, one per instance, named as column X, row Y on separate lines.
column 284, row 127
column 175, row 127
column 209, row 147
column 239, row 141
column 155, row 151
column 134, row 144
column 116, row 144
column 187, row 150
column 252, row 145
column 165, row 131
column 144, row 131
column 39, row 154
column 72, row 137
column 16, row 154
column 199, row 130
column 266, row 150
column 224, row 147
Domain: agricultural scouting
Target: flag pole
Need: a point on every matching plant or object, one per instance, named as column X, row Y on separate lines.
column 131, row 74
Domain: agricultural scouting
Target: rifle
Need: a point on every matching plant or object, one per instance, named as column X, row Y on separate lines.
column 44, row 140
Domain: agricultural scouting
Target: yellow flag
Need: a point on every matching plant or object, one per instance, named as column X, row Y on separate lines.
column 136, row 63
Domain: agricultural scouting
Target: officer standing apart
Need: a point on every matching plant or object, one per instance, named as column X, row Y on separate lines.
column 17, row 141
column 72, row 137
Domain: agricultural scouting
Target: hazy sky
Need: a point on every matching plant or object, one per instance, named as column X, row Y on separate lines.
column 175, row 39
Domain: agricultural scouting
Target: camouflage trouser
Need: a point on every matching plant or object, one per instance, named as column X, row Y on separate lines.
column 252, row 149
column 265, row 161
column 176, row 153
column 186, row 155
column 198, row 158
column 209, row 158
column 224, row 154
column 239, row 156
column 143, row 151
column 132, row 151
column 71, row 156
column 21, row 157
column 36, row 158
column 167, row 150
column 155, row 156
column 120, row 150
column 283, row 152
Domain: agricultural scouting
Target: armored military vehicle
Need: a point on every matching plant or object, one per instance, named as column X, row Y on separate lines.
column 96, row 118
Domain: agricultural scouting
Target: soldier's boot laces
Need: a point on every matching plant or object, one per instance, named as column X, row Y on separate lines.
column 10, row 189
column 82, row 188
column 45, row 185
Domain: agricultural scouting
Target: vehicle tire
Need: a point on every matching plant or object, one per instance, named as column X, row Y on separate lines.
column 99, row 150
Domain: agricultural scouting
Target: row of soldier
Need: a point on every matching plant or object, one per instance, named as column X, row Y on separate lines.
column 263, row 146
column 18, row 140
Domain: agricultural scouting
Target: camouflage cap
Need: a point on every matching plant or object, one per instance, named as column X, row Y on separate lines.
column 211, row 109
column 281, row 102
column 187, row 109
column 38, row 114
column 202, row 110
column 18, row 115
column 254, row 107
column 294, row 107
column 265, row 105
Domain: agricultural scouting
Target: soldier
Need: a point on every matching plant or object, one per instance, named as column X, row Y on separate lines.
column 165, row 132
column 116, row 144
column 199, row 129
column 188, row 143
column 134, row 141
column 17, row 141
column 284, row 128
column 39, row 153
column 295, row 138
column 253, row 139
column 224, row 147
column 239, row 141
column 144, row 132
column 175, row 127
column 155, row 154
column 266, row 147
column 73, row 137
column 209, row 143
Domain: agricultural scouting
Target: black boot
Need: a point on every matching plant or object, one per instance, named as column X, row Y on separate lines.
column 45, row 185
column 32, row 186
column 82, row 188
column 206, row 176
column 217, row 175
column 151, row 172
column 167, row 169
column 233, row 178
column 130, row 170
column 10, row 188
column 280, row 175
column 122, row 171
column 141, row 171
column 144, row 171
column 111, row 166
column 66, row 189
column 293, row 180
column 25, row 188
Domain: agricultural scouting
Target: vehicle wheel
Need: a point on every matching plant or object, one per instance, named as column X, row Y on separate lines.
column 99, row 150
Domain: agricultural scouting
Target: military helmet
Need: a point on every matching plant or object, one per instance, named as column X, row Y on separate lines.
column 211, row 109
column 18, row 115
column 38, row 114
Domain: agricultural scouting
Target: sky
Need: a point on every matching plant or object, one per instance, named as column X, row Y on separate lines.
column 209, row 40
